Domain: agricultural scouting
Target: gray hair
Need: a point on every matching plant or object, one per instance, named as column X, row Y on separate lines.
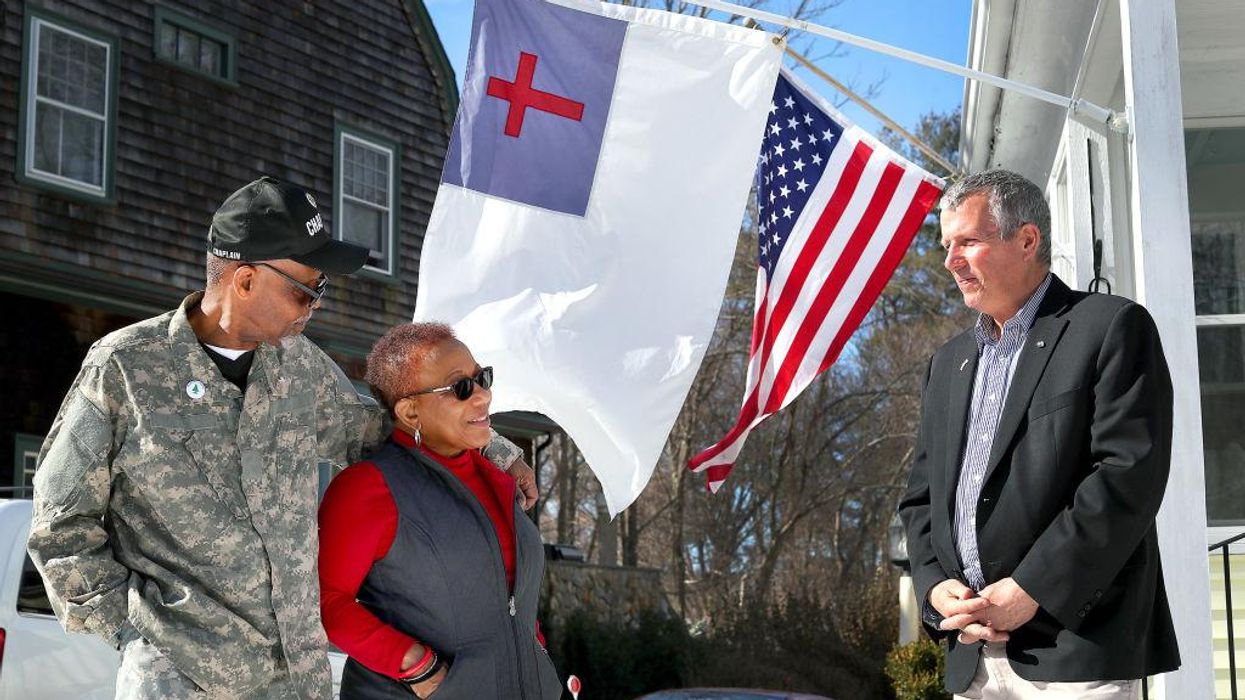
column 1013, row 201
column 216, row 269
column 399, row 355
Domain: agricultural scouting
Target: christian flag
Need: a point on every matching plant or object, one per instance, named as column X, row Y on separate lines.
column 588, row 213
column 837, row 211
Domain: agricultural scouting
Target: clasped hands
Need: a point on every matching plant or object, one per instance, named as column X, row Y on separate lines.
column 985, row 616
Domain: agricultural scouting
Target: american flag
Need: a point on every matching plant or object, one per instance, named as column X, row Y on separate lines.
column 837, row 211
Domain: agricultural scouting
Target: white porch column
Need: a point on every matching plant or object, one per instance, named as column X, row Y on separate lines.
column 1163, row 261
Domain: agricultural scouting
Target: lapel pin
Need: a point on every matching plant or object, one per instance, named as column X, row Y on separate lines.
column 1041, row 343
column 963, row 364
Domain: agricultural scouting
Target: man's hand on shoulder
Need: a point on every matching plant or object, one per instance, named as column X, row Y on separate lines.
column 509, row 458
column 525, row 478
column 962, row 609
column 1010, row 606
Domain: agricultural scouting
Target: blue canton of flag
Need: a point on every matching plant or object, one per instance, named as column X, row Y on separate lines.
column 799, row 139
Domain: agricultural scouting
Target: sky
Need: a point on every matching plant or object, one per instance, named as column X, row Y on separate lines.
column 937, row 28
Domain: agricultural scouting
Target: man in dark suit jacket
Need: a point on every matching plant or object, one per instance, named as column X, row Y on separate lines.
column 1043, row 453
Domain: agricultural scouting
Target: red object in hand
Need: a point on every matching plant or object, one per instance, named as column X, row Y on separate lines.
column 573, row 685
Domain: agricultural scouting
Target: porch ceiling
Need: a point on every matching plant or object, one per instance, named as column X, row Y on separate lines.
column 1029, row 41
column 1041, row 43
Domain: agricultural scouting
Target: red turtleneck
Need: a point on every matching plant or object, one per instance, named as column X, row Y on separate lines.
column 358, row 521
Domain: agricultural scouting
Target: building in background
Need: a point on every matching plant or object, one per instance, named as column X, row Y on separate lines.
column 123, row 125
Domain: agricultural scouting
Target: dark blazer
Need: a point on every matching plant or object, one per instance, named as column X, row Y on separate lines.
column 1074, row 482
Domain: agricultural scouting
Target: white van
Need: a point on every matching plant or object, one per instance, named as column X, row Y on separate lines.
column 38, row 660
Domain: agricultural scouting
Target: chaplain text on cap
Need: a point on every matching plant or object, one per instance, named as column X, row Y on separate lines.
column 273, row 220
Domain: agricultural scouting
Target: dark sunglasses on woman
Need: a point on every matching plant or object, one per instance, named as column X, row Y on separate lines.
column 463, row 388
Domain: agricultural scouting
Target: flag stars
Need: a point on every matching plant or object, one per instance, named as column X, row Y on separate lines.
column 792, row 163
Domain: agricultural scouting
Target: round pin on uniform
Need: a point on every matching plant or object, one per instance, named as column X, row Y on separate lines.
column 195, row 389
column 573, row 685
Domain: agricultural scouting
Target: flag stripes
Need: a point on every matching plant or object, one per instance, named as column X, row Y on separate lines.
column 845, row 244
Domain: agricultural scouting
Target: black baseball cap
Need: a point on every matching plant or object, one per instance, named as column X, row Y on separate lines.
column 273, row 220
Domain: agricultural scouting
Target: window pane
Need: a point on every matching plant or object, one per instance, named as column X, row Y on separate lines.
column 366, row 177
column 209, row 57
column 1216, row 167
column 1221, row 363
column 187, row 48
column 29, row 460
column 69, row 144
column 47, row 145
column 168, row 41
column 351, row 155
column 72, row 70
column 363, row 225
column 366, row 174
column 82, row 149
column 94, row 79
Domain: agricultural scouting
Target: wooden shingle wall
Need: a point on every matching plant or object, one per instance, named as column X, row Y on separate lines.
column 184, row 142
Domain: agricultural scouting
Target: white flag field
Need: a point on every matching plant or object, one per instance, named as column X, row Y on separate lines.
column 587, row 218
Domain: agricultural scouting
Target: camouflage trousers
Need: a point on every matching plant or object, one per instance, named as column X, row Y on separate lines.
column 146, row 674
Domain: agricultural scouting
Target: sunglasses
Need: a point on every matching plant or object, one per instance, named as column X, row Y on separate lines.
column 313, row 294
column 463, row 388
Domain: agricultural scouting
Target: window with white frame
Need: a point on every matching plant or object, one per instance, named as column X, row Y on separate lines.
column 367, row 197
column 191, row 45
column 1079, row 193
column 25, row 457
column 1216, row 168
column 68, row 80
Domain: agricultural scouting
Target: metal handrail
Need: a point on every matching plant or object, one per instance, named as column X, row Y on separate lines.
column 1228, row 607
column 1227, row 594
column 27, row 491
column 1227, row 599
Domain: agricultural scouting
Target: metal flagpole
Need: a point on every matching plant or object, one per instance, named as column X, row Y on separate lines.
column 1114, row 120
column 890, row 123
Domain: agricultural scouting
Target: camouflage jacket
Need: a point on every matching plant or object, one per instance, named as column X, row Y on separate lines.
column 167, row 499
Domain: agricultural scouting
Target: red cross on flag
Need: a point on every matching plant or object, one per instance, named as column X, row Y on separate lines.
column 587, row 216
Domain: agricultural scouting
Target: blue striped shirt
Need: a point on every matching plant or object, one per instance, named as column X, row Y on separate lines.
column 995, row 367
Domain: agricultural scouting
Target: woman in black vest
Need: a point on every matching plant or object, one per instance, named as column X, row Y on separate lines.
column 429, row 571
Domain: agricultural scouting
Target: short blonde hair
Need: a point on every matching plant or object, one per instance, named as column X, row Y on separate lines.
column 396, row 358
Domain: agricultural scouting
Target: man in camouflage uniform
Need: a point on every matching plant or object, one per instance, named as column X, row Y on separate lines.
column 175, row 498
